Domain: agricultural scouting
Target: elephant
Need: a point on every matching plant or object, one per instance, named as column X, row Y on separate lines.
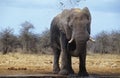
column 69, row 32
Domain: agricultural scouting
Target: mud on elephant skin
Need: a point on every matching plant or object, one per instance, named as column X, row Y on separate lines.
column 70, row 31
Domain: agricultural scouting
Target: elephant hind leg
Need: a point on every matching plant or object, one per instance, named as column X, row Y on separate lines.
column 56, row 67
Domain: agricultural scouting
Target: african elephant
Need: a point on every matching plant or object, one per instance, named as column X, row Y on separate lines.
column 70, row 31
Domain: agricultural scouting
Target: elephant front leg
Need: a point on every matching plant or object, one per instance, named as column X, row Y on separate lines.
column 66, row 58
column 82, row 65
column 66, row 68
column 56, row 67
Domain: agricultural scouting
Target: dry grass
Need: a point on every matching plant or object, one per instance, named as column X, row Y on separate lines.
column 17, row 63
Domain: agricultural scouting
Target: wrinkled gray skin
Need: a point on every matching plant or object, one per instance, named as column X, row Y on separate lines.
column 70, row 31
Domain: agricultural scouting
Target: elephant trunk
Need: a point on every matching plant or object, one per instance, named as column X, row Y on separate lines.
column 80, row 47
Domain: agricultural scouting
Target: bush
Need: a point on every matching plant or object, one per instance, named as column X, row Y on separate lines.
column 106, row 43
column 8, row 40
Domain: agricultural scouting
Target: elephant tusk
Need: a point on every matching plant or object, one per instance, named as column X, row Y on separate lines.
column 91, row 39
column 70, row 40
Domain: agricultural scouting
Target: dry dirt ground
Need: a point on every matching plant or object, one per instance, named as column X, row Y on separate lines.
column 34, row 64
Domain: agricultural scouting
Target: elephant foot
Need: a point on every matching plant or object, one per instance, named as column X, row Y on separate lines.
column 56, row 71
column 66, row 72
column 84, row 74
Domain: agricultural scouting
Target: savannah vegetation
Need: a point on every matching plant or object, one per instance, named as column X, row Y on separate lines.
column 35, row 64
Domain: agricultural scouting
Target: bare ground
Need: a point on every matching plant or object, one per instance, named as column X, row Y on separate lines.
column 35, row 64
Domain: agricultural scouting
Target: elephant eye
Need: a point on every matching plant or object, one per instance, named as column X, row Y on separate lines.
column 81, row 18
column 84, row 17
column 71, row 26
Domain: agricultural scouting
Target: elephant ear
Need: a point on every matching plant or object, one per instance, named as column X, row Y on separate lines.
column 64, row 26
column 68, row 29
column 87, row 13
column 70, row 19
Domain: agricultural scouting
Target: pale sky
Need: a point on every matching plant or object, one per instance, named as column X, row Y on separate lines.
column 105, row 14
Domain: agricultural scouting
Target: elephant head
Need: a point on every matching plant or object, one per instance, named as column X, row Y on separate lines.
column 79, row 23
column 78, row 27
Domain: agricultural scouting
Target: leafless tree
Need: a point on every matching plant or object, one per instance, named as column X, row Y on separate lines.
column 8, row 40
column 28, row 39
column 106, row 43
column 44, row 41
